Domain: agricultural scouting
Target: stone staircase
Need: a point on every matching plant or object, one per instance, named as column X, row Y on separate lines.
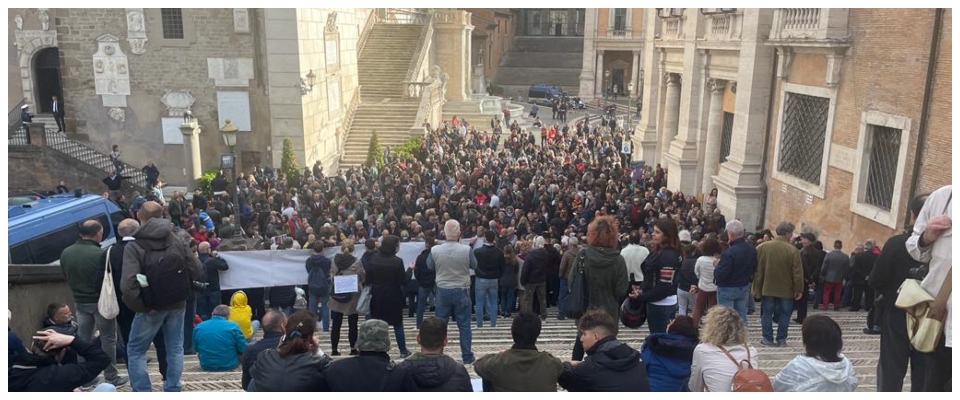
column 533, row 59
column 382, row 68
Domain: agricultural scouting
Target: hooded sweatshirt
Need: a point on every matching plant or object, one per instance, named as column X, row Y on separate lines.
column 155, row 233
column 668, row 357
column 318, row 269
column 808, row 374
column 435, row 373
column 612, row 366
column 241, row 313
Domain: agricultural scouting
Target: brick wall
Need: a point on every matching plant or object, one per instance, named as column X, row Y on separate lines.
column 884, row 71
column 936, row 166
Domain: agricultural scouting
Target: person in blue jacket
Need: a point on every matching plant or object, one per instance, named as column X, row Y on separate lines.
column 219, row 341
column 668, row 355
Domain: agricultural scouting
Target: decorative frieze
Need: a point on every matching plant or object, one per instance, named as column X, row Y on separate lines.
column 241, row 20
column 177, row 102
column 44, row 19
column 136, row 30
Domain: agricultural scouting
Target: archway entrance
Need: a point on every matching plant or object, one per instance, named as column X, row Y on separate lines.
column 46, row 68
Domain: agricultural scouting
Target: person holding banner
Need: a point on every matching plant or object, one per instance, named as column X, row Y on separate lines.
column 348, row 277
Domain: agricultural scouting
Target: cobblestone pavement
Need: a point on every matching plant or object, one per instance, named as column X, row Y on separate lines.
column 557, row 337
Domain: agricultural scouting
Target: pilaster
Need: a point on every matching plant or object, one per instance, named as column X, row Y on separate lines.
column 588, row 73
column 452, row 30
column 711, row 157
column 645, row 139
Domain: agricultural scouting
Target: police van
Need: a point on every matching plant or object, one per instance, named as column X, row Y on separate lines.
column 38, row 231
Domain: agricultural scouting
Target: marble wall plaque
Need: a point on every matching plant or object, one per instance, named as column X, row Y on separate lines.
column 241, row 20
column 230, row 72
column 171, row 130
column 843, row 157
column 234, row 106
column 110, row 69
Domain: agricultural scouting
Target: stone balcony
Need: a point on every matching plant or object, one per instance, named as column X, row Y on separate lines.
column 813, row 27
column 723, row 27
column 620, row 34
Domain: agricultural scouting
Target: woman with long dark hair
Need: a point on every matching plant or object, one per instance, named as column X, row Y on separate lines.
column 660, row 269
column 295, row 365
column 387, row 276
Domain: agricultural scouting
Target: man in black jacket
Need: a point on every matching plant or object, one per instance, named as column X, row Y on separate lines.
column 893, row 266
column 612, row 366
column 209, row 295
column 40, row 370
column 862, row 265
column 372, row 370
column 489, row 268
column 273, row 323
column 430, row 370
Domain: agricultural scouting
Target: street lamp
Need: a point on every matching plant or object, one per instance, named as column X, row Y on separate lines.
column 629, row 105
column 606, row 82
column 229, row 161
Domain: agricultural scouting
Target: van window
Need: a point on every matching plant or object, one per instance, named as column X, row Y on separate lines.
column 20, row 254
column 47, row 247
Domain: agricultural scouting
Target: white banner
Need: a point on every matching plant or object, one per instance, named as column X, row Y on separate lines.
column 268, row 268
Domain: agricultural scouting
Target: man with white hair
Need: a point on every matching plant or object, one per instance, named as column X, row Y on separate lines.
column 453, row 262
column 734, row 270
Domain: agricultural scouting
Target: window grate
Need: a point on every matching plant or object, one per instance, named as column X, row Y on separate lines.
column 882, row 168
column 726, row 135
column 803, row 135
column 172, row 22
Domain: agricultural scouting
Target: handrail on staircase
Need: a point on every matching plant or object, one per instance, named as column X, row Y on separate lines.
column 431, row 99
column 91, row 156
column 372, row 20
column 13, row 117
column 425, row 43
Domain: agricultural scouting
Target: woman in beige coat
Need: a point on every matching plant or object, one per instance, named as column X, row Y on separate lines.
column 345, row 264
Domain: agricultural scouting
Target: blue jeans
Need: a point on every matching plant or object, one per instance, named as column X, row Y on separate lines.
column 88, row 317
column 780, row 308
column 401, row 339
column 322, row 311
column 735, row 298
column 658, row 317
column 206, row 302
column 423, row 294
column 563, row 291
column 456, row 302
column 144, row 328
column 486, row 295
column 508, row 300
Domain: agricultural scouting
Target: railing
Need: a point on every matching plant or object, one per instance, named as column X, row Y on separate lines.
column 621, row 33
column 414, row 90
column 425, row 43
column 372, row 20
column 431, row 100
column 727, row 26
column 13, row 117
column 810, row 24
column 347, row 122
column 671, row 28
column 720, row 25
column 83, row 153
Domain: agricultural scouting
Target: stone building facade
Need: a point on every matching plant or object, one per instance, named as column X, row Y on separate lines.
column 126, row 76
column 493, row 32
column 612, row 51
column 807, row 115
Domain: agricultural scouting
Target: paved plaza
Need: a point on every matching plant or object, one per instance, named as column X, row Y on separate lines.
column 557, row 338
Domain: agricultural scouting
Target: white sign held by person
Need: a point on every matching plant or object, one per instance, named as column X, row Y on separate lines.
column 345, row 284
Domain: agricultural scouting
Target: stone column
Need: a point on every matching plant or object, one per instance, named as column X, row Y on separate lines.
column 599, row 89
column 738, row 183
column 451, row 39
column 588, row 84
column 634, row 72
column 671, row 114
column 645, row 140
column 191, row 153
column 711, row 156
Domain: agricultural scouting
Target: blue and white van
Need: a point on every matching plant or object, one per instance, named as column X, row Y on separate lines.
column 38, row 231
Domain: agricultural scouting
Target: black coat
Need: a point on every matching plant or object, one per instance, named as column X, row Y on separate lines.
column 32, row 373
column 535, row 267
column 660, row 272
column 892, row 267
column 282, row 296
column 489, row 262
column 387, row 275
column 862, row 265
column 211, row 272
column 612, row 366
column 368, row 372
column 270, row 341
column 302, row 372
column 435, row 374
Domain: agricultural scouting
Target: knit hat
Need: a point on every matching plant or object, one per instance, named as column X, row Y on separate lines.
column 374, row 336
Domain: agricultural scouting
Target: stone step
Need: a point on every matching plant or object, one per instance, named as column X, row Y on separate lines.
column 530, row 76
column 547, row 44
column 542, row 59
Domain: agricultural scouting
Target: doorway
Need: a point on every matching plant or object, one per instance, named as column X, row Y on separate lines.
column 46, row 68
column 618, row 81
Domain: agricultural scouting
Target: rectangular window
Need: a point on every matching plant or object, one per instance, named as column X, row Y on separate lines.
column 619, row 19
column 803, row 135
column 881, row 169
column 726, row 135
column 172, row 23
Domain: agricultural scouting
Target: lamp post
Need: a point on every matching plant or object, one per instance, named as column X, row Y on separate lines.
column 229, row 161
column 629, row 106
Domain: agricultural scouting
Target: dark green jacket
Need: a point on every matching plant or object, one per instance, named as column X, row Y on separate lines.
column 606, row 274
column 80, row 263
column 520, row 369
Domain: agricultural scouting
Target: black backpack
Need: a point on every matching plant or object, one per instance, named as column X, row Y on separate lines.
column 165, row 266
column 426, row 277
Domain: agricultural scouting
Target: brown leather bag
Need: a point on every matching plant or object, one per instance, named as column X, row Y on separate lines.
column 747, row 378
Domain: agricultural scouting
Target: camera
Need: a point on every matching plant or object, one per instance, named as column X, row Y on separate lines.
column 918, row 273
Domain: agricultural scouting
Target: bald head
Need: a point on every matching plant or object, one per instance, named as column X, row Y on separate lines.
column 150, row 210
column 128, row 227
column 273, row 321
column 91, row 229
column 203, row 247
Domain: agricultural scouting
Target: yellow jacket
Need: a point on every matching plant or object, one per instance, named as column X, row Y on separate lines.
column 241, row 313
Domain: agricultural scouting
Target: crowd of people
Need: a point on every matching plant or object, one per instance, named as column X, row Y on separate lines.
column 507, row 222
